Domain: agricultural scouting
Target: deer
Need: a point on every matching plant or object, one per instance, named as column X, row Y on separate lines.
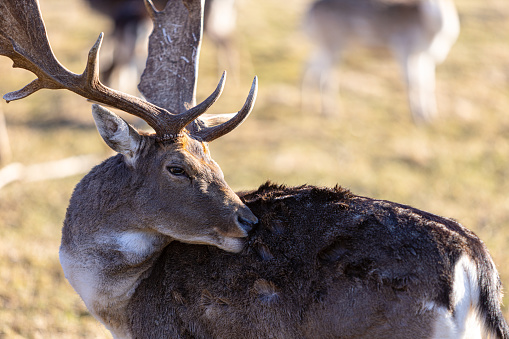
column 419, row 33
column 131, row 27
column 157, row 245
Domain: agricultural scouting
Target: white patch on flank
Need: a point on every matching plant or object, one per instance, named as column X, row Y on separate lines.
column 444, row 328
column 465, row 292
column 463, row 322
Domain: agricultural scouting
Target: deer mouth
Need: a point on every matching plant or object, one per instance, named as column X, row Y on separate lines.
column 233, row 245
column 234, row 240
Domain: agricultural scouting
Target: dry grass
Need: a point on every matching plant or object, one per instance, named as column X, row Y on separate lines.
column 457, row 167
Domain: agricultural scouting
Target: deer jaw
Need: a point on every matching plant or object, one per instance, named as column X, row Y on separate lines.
column 126, row 210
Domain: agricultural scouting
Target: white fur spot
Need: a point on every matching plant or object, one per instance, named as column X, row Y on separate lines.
column 138, row 243
column 427, row 306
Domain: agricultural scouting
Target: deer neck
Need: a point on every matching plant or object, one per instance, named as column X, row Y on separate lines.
column 104, row 253
column 107, row 275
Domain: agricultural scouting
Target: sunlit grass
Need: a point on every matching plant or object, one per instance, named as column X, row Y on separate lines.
column 457, row 167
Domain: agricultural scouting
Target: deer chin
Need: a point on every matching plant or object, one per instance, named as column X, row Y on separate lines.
column 227, row 243
column 234, row 245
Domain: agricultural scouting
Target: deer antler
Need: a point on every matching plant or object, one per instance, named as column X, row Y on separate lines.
column 23, row 39
column 211, row 133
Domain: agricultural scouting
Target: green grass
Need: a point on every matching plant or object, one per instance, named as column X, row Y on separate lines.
column 456, row 167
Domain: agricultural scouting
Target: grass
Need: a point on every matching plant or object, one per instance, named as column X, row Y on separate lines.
column 456, row 167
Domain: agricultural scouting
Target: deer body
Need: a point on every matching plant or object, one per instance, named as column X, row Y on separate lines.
column 324, row 263
column 419, row 33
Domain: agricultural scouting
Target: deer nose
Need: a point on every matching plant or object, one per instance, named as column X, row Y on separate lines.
column 246, row 224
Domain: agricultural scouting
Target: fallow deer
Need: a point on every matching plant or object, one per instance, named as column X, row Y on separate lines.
column 419, row 33
column 317, row 263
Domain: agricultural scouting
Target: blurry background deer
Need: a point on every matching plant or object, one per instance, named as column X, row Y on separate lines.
column 419, row 33
column 125, row 60
column 5, row 147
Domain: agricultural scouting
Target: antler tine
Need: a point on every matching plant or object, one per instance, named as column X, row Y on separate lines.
column 194, row 112
column 23, row 39
column 211, row 133
column 162, row 121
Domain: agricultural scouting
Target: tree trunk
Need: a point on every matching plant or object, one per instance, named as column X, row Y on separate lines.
column 169, row 79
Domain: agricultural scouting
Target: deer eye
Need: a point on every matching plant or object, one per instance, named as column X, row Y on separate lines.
column 177, row 171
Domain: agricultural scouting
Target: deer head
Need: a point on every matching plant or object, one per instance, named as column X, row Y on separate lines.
column 180, row 190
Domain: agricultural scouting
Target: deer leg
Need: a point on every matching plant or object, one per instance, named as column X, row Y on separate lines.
column 131, row 39
column 419, row 72
column 5, row 148
column 128, row 55
column 226, row 50
column 441, row 18
column 319, row 74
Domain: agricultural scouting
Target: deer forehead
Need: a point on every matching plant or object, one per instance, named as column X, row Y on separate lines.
column 192, row 152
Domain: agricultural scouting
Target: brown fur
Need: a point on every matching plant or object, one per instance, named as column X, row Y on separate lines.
column 321, row 263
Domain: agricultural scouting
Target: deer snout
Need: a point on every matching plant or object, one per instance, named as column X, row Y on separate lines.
column 245, row 224
column 245, row 220
column 232, row 233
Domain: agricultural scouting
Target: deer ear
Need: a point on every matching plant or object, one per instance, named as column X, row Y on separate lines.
column 117, row 133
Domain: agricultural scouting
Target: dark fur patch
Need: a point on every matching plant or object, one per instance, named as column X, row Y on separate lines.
column 266, row 291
